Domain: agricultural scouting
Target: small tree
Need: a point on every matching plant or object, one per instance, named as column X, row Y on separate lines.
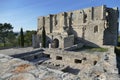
column 5, row 30
column 21, row 38
column 43, row 37
column 28, row 37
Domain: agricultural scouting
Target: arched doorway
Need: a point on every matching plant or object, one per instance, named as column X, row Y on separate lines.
column 55, row 43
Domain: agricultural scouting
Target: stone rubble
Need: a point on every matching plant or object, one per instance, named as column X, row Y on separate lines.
column 17, row 69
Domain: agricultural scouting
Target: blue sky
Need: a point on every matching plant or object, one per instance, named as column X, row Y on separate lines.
column 24, row 13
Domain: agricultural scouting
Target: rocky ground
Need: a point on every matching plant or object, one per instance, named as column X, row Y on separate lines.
column 17, row 69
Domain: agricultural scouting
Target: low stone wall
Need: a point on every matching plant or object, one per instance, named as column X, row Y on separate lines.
column 86, row 64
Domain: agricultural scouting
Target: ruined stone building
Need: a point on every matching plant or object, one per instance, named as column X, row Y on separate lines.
column 94, row 26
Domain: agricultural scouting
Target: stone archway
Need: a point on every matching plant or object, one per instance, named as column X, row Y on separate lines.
column 55, row 43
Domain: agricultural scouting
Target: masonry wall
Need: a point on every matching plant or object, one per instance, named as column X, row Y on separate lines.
column 95, row 26
column 111, row 30
column 102, row 62
column 69, row 41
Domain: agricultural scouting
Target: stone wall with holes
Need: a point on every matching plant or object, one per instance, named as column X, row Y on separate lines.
column 94, row 26
column 86, row 62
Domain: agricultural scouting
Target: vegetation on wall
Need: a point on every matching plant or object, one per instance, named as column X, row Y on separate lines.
column 117, row 48
column 43, row 37
column 118, row 40
column 92, row 49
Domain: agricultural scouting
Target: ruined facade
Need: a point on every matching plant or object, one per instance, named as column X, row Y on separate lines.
column 95, row 26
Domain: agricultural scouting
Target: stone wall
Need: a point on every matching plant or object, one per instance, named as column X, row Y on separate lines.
column 69, row 41
column 91, row 63
column 35, row 41
column 95, row 26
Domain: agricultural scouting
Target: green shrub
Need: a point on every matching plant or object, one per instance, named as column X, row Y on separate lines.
column 92, row 49
column 99, row 49
column 117, row 50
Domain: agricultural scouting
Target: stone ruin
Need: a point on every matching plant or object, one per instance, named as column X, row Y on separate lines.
column 53, row 64
column 94, row 26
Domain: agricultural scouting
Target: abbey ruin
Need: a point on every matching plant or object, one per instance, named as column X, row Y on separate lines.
column 95, row 26
column 80, row 45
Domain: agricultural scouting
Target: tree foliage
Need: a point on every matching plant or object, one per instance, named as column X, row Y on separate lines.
column 118, row 40
column 28, row 37
column 43, row 37
column 6, row 33
column 21, row 38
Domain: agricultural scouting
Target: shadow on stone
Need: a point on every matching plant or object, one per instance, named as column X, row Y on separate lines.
column 117, row 51
column 71, row 70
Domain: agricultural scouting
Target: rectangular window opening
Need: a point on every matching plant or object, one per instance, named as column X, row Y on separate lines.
column 58, row 58
column 47, row 55
column 78, row 61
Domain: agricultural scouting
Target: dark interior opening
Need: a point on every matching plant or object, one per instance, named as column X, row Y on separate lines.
column 58, row 58
column 95, row 29
column 35, row 57
column 47, row 55
column 84, row 58
column 55, row 43
column 95, row 62
column 78, row 61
